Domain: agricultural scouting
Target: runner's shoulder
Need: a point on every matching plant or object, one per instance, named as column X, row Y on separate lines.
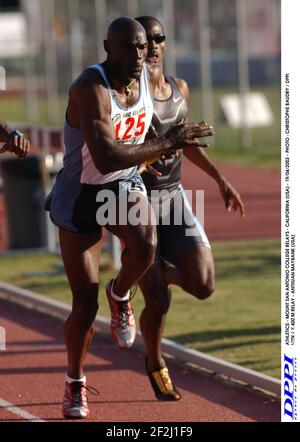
column 88, row 83
column 183, row 87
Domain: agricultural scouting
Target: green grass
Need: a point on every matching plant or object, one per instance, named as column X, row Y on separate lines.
column 264, row 153
column 239, row 323
column 14, row 109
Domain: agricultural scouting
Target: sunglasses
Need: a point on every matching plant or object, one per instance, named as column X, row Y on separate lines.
column 158, row 38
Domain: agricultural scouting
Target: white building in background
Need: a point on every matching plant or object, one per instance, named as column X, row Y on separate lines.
column 13, row 27
column 12, row 34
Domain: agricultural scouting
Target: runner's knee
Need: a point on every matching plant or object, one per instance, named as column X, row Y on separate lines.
column 201, row 288
column 206, row 290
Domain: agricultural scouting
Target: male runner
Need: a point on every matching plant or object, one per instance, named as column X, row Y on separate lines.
column 14, row 141
column 108, row 114
column 186, row 261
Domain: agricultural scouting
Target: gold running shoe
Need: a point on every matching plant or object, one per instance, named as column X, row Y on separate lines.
column 162, row 385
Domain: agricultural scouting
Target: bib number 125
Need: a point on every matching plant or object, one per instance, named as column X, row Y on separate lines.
column 135, row 126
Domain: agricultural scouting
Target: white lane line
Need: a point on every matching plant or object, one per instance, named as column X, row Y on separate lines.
column 233, row 371
column 18, row 411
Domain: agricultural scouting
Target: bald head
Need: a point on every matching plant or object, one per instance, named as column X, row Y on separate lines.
column 126, row 47
column 124, row 26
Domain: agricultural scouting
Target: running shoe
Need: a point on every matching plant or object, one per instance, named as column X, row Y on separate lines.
column 75, row 404
column 122, row 325
column 162, row 385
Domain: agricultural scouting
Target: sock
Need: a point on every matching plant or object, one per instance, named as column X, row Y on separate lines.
column 70, row 380
column 118, row 298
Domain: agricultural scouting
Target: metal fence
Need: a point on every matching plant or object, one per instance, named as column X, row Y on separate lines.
column 215, row 42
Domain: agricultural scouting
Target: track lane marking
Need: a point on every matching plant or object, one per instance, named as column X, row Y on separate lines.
column 19, row 412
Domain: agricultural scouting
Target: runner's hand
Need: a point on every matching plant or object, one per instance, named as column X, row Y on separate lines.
column 231, row 197
column 146, row 167
column 184, row 135
column 16, row 144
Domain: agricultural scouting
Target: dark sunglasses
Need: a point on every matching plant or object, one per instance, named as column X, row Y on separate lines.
column 158, row 38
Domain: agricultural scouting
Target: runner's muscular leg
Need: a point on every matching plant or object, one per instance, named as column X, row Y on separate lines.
column 194, row 272
column 80, row 254
column 140, row 248
column 152, row 321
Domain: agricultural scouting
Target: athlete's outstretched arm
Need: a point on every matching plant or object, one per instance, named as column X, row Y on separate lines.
column 232, row 198
column 199, row 157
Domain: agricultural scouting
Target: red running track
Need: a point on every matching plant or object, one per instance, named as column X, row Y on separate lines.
column 260, row 190
column 32, row 378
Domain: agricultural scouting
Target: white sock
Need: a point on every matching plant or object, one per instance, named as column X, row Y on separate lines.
column 118, row 298
column 70, row 380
